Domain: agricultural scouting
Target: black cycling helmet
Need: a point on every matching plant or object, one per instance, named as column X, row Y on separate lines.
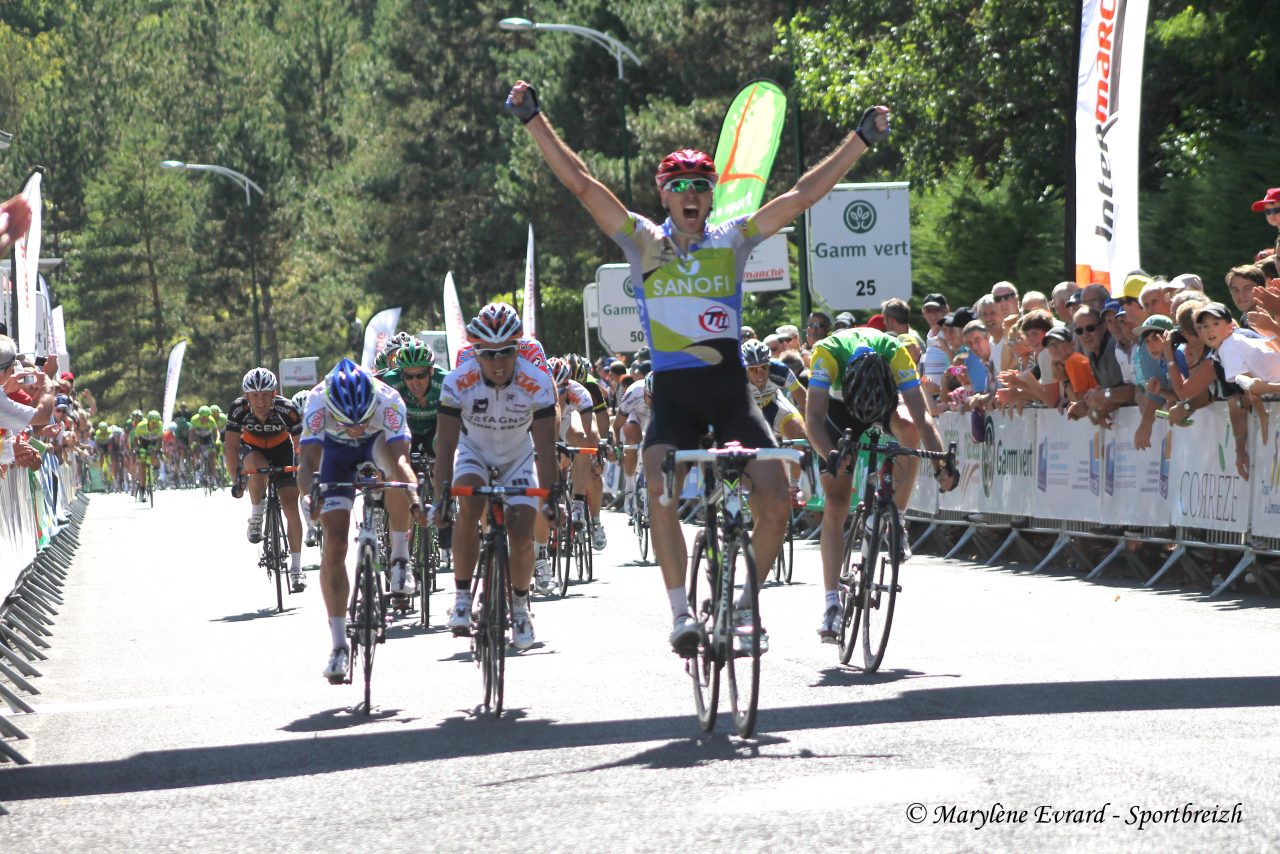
column 869, row 391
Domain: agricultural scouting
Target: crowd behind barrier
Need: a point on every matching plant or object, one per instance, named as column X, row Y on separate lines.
column 1040, row 472
column 34, row 505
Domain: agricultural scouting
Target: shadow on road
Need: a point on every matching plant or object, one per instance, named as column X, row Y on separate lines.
column 342, row 718
column 845, row 676
column 477, row 736
column 261, row 613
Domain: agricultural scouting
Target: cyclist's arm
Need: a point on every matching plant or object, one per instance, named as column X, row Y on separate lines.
column 605, row 208
column 448, row 426
column 543, row 430
column 811, row 187
column 815, row 420
column 310, row 454
column 231, row 451
column 914, row 399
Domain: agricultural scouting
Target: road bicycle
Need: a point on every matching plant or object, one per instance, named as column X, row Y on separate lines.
column 145, row 487
column 367, row 611
column 638, row 505
column 429, row 557
column 573, row 537
column 724, row 561
column 491, row 588
column 873, row 546
column 275, row 547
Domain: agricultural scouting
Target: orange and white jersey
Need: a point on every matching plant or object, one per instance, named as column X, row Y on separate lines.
column 496, row 419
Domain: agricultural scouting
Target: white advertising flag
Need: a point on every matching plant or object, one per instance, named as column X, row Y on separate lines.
column 530, row 291
column 1108, row 109
column 171, row 379
column 453, row 324
column 377, row 333
column 26, row 262
column 59, row 343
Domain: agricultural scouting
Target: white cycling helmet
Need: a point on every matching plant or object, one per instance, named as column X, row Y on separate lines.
column 259, row 379
column 559, row 370
column 300, row 399
column 496, row 322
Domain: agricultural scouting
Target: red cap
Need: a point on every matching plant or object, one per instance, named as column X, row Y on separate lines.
column 1271, row 198
column 875, row 321
column 68, row 376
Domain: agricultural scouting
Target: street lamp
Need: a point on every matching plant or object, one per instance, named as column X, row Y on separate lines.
column 242, row 180
column 609, row 43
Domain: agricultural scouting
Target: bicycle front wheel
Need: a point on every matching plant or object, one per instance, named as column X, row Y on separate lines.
column 425, row 560
column 495, row 608
column 642, row 522
column 743, row 659
column 368, row 617
column 563, row 549
column 850, row 582
column 880, row 592
column 273, row 547
column 703, row 667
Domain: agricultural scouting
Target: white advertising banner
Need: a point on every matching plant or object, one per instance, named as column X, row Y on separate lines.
column 1068, row 469
column 860, row 245
column 1205, row 490
column 439, row 344
column 1108, row 109
column 171, row 378
column 996, row 475
column 1264, row 454
column 529, row 318
column 59, row 344
column 769, row 267
column 377, row 333
column 620, row 327
column 299, row 372
column 453, row 322
column 590, row 315
column 26, row 261
column 1135, row 484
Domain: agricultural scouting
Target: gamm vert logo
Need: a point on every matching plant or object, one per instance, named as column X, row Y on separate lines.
column 860, row 217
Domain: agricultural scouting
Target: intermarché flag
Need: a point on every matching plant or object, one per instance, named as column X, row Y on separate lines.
column 748, row 143
column 1108, row 108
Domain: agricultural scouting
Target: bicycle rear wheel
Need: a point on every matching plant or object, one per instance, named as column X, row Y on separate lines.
column 880, row 592
column 743, row 670
column 563, row 550
column 702, row 667
column 641, row 515
column 790, row 548
column 491, row 634
column 372, row 619
column 850, row 583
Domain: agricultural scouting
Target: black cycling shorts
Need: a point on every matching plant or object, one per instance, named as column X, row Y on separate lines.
column 278, row 455
column 689, row 401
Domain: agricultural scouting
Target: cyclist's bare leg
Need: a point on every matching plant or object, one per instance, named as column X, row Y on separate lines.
column 466, row 539
column 835, row 510
column 519, row 520
column 664, row 522
column 630, row 435
column 257, row 482
column 292, row 518
column 334, row 583
column 770, row 509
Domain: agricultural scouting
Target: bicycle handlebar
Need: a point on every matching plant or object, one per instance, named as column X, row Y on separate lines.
column 534, row 491
column 269, row 470
column 569, row 451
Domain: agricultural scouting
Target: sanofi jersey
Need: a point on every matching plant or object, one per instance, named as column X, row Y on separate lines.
column 688, row 302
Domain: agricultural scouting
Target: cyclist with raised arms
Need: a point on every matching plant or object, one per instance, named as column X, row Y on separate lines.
column 869, row 370
column 262, row 430
column 350, row 419
column 496, row 409
column 690, row 304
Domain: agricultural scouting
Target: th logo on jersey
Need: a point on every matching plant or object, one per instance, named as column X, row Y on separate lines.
column 391, row 417
column 714, row 319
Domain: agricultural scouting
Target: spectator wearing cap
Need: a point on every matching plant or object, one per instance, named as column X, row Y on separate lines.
column 774, row 344
column 936, row 357
column 844, row 320
column 1005, row 297
column 1240, row 354
column 817, row 327
column 788, row 336
column 875, row 321
column 1114, row 316
column 1241, row 282
column 1269, row 207
column 1072, row 375
column 1187, row 282
column 1060, row 297
column 1154, row 392
column 747, row 334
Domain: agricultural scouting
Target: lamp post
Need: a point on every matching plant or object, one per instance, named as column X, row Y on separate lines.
column 609, row 43
column 243, row 181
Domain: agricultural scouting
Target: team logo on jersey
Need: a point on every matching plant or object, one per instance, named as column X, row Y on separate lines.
column 714, row 319
column 479, row 406
column 526, row 382
column 391, row 417
column 688, row 266
column 315, row 424
column 468, row 379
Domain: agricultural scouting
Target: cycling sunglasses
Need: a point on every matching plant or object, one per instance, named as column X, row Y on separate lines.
column 684, row 185
column 420, row 375
column 500, row 353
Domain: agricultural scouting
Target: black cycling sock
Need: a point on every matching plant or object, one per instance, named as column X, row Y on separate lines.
column 462, row 586
column 517, row 593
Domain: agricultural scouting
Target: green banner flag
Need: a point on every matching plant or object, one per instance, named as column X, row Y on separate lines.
column 748, row 142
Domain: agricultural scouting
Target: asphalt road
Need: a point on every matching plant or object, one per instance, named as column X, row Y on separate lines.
column 180, row 712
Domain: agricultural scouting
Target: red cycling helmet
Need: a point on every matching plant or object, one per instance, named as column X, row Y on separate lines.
column 686, row 161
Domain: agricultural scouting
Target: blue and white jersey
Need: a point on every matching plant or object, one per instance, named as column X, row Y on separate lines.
column 389, row 419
